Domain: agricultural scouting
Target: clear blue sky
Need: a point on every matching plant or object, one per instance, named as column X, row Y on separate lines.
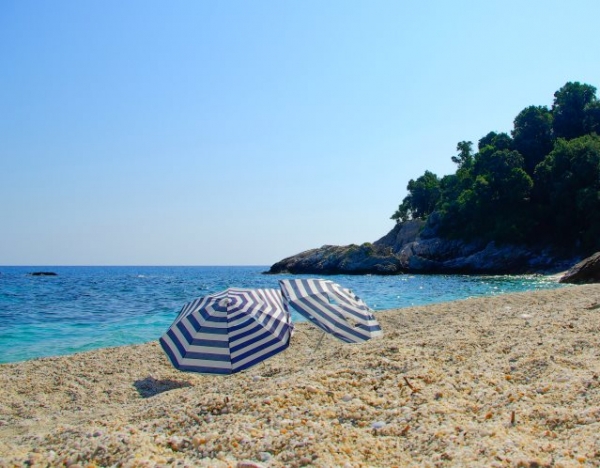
column 241, row 132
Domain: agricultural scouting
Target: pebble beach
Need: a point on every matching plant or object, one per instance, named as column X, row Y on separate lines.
column 507, row 380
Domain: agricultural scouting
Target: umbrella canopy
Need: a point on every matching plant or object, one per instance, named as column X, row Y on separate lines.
column 227, row 332
column 332, row 308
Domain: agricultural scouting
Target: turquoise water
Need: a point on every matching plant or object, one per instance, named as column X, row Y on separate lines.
column 85, row 308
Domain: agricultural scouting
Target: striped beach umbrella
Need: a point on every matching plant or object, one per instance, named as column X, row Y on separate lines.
column 228, row 332
column 332, row 308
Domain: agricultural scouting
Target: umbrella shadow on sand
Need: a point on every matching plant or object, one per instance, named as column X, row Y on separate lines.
column 150, row 386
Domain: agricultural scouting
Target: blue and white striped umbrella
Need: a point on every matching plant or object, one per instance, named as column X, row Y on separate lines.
column 227, row 332
column 332, row 308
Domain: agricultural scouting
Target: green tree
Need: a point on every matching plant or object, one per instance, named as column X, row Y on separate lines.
column 424, row 194
column 498, row 141
column 568, row 109
column 465, row 154
column 451, row 187
column 500, row 195
column 532, row 135
column 491, row 201
column 567, row 184
column 592, row 117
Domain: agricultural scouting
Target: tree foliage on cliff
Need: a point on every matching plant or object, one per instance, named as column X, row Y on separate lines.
column 540, row 184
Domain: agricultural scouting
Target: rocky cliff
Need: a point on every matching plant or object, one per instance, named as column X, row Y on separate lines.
column 414, row 247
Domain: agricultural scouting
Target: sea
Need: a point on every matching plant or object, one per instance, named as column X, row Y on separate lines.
column 88, row 307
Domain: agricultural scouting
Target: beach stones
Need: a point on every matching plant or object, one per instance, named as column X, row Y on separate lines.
column 429, row 396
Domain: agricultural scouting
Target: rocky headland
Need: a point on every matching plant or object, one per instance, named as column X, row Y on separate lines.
column 415, row 247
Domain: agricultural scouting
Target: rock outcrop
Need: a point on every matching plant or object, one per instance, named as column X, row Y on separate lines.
column 414, row 247
column 586, row 271
column 349, row 259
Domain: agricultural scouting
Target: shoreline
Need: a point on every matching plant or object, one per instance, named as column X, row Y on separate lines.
column 64, row 339
column 489, row 381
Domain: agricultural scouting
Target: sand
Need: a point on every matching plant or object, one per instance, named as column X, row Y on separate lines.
column 510, row 380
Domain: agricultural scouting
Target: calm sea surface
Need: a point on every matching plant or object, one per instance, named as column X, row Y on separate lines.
column 84, row 308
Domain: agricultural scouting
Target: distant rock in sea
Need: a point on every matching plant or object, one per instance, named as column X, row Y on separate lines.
column 43, row 273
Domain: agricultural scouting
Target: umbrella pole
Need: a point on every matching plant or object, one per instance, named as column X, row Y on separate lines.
column 316, row 347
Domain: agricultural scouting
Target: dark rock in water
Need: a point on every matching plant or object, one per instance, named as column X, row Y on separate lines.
column 586, row 271
column 415, row 247
column 43, row 273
